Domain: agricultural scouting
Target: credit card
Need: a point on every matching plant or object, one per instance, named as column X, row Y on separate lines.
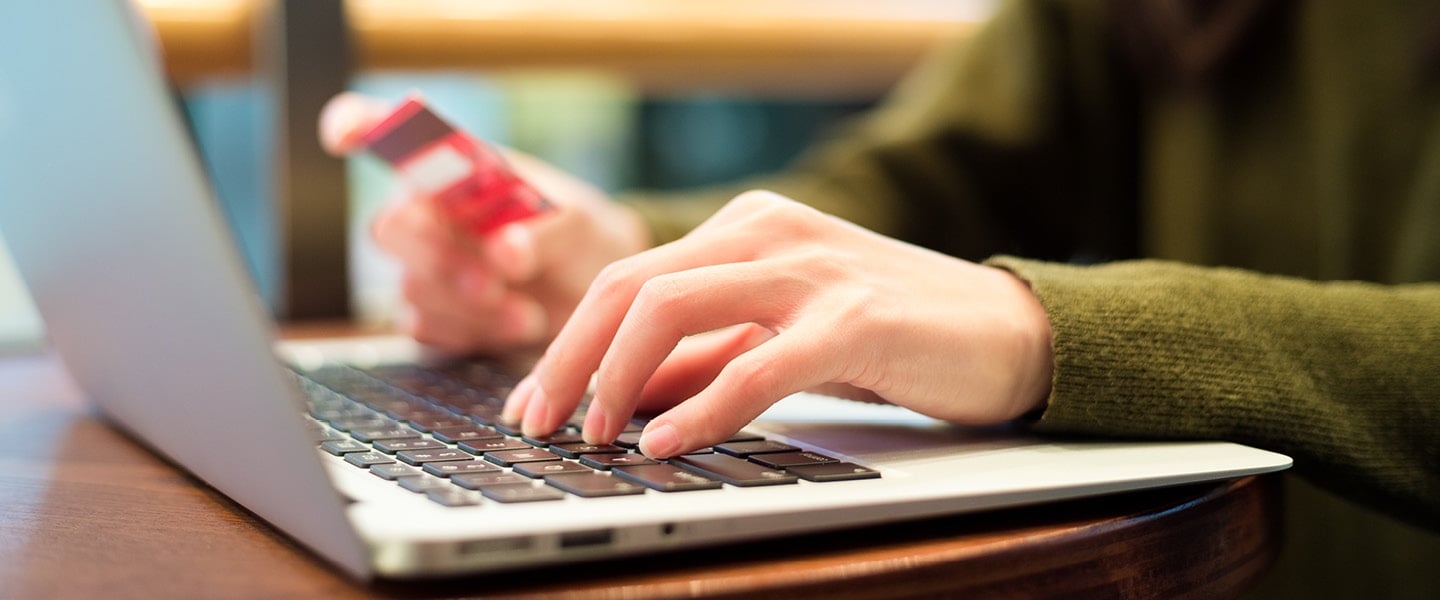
column 470, row 180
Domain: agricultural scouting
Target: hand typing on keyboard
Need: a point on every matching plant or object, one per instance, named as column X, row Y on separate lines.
column 791, row 299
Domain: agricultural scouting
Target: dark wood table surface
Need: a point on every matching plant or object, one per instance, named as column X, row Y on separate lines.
column 86, row 511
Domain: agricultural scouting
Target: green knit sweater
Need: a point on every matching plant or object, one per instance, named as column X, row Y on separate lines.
column 1313, row 156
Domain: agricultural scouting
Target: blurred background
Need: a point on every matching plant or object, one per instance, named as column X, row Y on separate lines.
column 628, row 94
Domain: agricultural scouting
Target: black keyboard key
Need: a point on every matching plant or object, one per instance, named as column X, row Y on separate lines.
column 384, row 433
column 393, row 446
column 393, row 471
column 537, row 470
column 559, row 437
column 370, row 422
column 744, row 436
column 785, row 460
column 343, row 447
column 422, row 483
column 452, row 496
column 447, row 469
column 629, row 440
column 666, row 478
column 480, row 481
column 466, row 434
column 605, row 462
column 444, row 469
column 420, row 457
column 500, row 445
column 594, row 485
column 524, row 492
column 506, row 427
column 576, row 449
column 366, row 459
column 484, row 414
column 745, row 449
column 447, row 421
column 731, row 470
column 836, row 471
column 510, row 458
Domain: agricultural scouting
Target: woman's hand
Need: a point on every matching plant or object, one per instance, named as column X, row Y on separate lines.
column 506, row 292
column 788, row 299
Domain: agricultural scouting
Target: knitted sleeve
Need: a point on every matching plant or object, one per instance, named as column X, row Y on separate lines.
column 1342, row 376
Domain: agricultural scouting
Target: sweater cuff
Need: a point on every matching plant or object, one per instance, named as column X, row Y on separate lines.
column 1106, row 320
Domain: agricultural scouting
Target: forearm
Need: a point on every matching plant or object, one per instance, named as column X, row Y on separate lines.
column 1343, row 376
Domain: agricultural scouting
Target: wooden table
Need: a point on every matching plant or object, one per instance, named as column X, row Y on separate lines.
column 86, row 511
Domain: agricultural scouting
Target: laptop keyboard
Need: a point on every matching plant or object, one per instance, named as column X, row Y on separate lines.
column 437, row 431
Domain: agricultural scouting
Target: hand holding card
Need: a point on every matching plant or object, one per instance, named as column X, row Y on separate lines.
column 470, row 181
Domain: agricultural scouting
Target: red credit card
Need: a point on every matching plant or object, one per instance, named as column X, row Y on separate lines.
column 470, row 180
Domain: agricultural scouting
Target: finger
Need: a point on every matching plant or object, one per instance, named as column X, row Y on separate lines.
column 672, row 306
column 789, row 363
column 564, row 371
column 346, row 118
column 696, row 362
column 412, row 231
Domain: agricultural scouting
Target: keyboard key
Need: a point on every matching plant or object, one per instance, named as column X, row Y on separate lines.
column 480, row 481
column 343, row 447
column 393, row 471
column 484, row 414
column 506, row 427
column 605, row 461
column 422, row 483
column 744, row 436
column 354, row 423
column 466, row 434
column 366, row 459
column 579, row 448
column 666, row 478
column 731, row 470
column 500, row 445
column 420, row 457
column 385, row 433
column 510, row 458
column 393, row 446
column 452, row 496
column 432, row 423
column 836, row 471
column 521, row 493
column 784, row 460
column 559, row 437
column 537, row 470
column 446, row 469
column 629, row 440
column 745, row 449
column 594, row 485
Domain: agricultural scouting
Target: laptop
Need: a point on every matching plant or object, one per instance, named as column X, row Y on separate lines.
column 381, row 461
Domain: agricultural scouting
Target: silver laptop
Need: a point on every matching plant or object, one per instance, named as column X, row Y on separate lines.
column 109, row 217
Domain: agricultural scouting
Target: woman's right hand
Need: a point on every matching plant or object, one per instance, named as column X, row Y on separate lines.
column 509, row 291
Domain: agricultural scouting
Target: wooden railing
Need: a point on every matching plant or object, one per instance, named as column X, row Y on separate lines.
column 773, row 47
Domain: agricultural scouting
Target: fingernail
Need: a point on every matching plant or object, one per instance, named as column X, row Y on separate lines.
column 661, row 441
column 595, row 430
column 516, row 402
column 536, row 412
